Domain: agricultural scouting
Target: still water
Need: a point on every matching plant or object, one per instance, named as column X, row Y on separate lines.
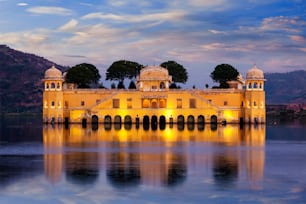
column 173, row 164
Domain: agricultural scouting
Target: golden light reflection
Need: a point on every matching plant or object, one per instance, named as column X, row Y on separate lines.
column 154, row 157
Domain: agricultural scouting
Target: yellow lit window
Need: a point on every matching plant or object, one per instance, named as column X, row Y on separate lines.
column 192, row 103
column 116, row 103
column 129, row 103
column 145, row 103
column 179, row 103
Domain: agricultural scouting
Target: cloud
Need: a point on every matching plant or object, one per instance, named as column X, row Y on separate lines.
column 69, row 26
column 298, row 38
column 22, row 4
column 162, row 16
column 290, row 24
column 50, row 10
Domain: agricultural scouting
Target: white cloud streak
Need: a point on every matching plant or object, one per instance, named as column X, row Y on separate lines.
column 50, row 10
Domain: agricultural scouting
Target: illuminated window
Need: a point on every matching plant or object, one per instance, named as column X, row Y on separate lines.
column 225, row 103
column 145, row 103
column 129, row 103
column 154, row 103
column 192, row 103
column 116, row 103
column 179, row 103
column 82, row 103
column 162, row 103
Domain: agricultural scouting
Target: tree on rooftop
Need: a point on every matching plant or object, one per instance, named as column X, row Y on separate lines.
column 123, row 69
column 177, row 71
column 224, row 73
column 83, row 75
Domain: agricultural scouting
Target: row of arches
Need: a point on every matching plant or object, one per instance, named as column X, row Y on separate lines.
column 153, row 119
column 255, row 85
column 53, row 85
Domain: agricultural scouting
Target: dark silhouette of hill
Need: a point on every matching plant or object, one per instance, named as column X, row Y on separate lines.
column 21, row 84
column 285, row 88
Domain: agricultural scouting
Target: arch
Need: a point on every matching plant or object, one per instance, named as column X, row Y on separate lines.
column 154, row 103
column 107, row 119
column 154, row 122
column 255, row 85
column 213, row 119
column 146, row 119
column 47, row 85
column 146, row 103
column 260, row 85
column 190, row 119
column 180, row 119
column 58, row 86
column 162, row 122
column 117, row 119
column 162, row 103
column 127, row 119
column 201, row 120
column 250, row 85
column 52, row 85
column 162, row 119
column 162, row 85
column 94, row 119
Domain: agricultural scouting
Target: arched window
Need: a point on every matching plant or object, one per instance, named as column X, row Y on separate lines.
column 47, row 86
column 52, row 85
column 162, row 85
column 255, row 85
column 260, row 85
column 250, row 85
column 58, row 86
column 255, row 104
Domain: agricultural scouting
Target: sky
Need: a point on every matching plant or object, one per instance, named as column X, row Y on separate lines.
column 198, row 34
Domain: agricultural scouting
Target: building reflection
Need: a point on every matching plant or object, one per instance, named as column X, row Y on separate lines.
column 130, row 156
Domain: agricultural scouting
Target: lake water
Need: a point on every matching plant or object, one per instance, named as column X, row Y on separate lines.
column 172, row 164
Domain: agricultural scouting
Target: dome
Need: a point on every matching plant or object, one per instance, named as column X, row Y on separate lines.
column 255, row 73
column 53, row 73
column 154, row 73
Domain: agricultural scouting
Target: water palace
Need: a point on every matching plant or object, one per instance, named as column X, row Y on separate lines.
column 153, row 102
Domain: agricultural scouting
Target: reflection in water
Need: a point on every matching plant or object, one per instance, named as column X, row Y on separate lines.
column 130, row 156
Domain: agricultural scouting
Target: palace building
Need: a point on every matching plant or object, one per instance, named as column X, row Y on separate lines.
column 153, row 102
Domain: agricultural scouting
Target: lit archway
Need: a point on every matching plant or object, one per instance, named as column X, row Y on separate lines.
column 154, row 103
column 180, row 119
column 127, row 119
column 190, row 119
column 117, row 119
column 213, row 119
column 201, row 120
column 94, row 119
column 107, row 119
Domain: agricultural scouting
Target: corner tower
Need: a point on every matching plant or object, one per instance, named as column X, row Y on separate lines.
column 255, row 108
column 53, row 96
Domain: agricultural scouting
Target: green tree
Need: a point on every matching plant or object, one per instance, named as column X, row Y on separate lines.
column 123, row 69
column 132, row 85
column 178, row 72
column 224, row 73
column 83, row 75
